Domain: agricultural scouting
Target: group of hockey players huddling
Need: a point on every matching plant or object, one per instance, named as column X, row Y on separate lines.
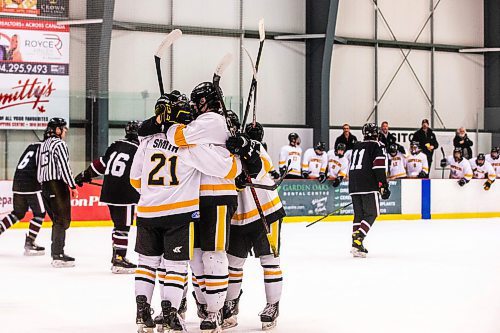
column 194, row 209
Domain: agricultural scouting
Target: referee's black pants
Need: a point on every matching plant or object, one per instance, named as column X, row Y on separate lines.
column 57, row 201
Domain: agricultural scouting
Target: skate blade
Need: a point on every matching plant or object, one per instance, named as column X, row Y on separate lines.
column 122, row 270
column 32, row 253
column 230, row 322
column 62, row 264
column 141, row 328
column 215, row 330
column 266, row 326
column 357, row 253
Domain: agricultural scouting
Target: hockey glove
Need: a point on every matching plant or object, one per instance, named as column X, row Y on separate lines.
column 443, row 163
column 83, row 177
column 385, row 193
column 487, row 185
column 305, row 174
column 462, row 182
column 422, row 174
column 240, row 181
column 282, row 170
column 162, row 108
column 322, row 177
column 274, row 174
column 337, row 181
column 238, row 145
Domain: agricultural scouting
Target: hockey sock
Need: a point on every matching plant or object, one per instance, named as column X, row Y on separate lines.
column 160, row 272
column 364, row 227
column 235, row 276
column 215, row 266
column 145, row 275
column 273, row 278
column 7, row 222
column 175, row 279
column 355, row 226
column 34, row 228
column 198, row 277
column 120, row 241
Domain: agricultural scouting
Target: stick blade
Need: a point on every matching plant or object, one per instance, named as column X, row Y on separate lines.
column 223, row 64
column 251, row 61
column 168, row 41
column 262, row 30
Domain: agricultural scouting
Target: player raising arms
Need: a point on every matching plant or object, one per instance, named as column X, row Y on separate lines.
column 117, row 192
column 367, row 180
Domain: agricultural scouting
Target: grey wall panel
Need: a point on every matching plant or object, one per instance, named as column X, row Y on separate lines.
column 280, row 15
column 151, row 11
column 207, row 13
column 355, row 19
column 460, row 22
column 78, row 9
column 77, row 75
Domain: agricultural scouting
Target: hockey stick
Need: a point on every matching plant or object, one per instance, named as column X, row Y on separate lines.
column 94, row 183
column 324, row 217
column 442, row 169
column 221, row 67
column 275, row 185
column 253, row 85
column 165, row 44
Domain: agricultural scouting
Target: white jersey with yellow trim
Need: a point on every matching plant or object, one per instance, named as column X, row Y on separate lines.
column 459, row 170
column 314, row 163
column 270, row 202
column 168, row 177
column 294, row 155
column 397, row 167
column 482, row 172
column 337, row 166
column 495, row 163
column 415, row 163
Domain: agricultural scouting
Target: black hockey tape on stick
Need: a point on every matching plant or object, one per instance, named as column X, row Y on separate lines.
column 324, row 217
column 442, row 169
column 165, row 44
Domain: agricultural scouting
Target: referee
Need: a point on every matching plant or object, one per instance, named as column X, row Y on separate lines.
column 54, row 173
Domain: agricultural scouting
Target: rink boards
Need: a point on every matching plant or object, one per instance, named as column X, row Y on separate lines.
column 411, row 199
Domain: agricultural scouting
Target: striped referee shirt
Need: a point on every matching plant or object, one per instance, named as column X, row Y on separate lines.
column 54, row 162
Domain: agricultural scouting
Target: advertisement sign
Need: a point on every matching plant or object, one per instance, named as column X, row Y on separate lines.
column 46, row 8
column 309, row 197
column 34, row 72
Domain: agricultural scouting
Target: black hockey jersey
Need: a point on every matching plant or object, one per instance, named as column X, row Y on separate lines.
column 25, row 177
column 115, row 166
column 368, row 167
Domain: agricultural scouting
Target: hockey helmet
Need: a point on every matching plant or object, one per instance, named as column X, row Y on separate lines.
column 255, row 132
column 205, row 94
column 480, row 159
column 370, row 131
column 321, row 146
column 340, row 147
column 392, row 150
column 294, row 139
column 458, row 154
column 131, row 129
column 414, row 147
column 181, row 113
column 176, row 95
column 494, row 152
column 52, row 125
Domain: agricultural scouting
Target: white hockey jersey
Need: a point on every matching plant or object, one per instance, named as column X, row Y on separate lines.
column 292, row 154
column 495, row 163
column 459, row 170
column 168, row 177
column 207, row 128
column 415, row 164
column 397, row 166
column 314, row 163
column 270, row 202
column 482, row 172
column 337, row 166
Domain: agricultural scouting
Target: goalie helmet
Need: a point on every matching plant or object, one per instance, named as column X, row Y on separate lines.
column 255, row 132
column 370, row 131
column 52, row 125
column 340, row 147
column 480, row 159
column 131, row 130
column 392, row 150
column 414, row 147
column 205, row 94
column 458, row 154
column 321, row 146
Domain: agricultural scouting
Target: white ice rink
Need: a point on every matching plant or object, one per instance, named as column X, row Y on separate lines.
column 438, row 276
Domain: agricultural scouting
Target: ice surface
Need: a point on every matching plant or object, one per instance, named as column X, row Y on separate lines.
column 438, row 276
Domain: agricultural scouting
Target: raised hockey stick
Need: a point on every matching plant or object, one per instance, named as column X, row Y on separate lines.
column 442, row 169
column 253, row 85
column 165, row 44
column 271, row 187
column 324, row 217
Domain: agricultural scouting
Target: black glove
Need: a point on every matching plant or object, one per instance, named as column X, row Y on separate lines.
column 282, row 170
column 422, row 174
column 385, row 193
column 487, row 185
column 443, row 163
column 162, row 107
column 275, row 174
column 305, row 174
column 83, row 177
column 462, row 182
column 322, row 177
column 337, row 181
column 240, row 181
column 239, row 144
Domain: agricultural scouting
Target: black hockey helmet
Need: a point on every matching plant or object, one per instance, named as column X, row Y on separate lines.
column 340, row 146
column 131, row 129
column 370, row 131
column 392, row 150
column 233, row 119
column 321, row 146
column 494, row 152
column 52, row 125
column 176, row 95
column 181, row 112
column 458, row 151
column 205, row 93
column 414, row 147
column 293, row 139
column 255, row 132
column 480, row 159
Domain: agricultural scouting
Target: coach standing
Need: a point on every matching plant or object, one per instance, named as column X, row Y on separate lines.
column 57, row 181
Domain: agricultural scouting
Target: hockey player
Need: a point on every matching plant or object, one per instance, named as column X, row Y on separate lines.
column 293, row 153
column 367, row 180
column 397, row 168
column 315, row 163
column 117, row 192
column 416, row 162
column 493, row 159
column 248, row 234
column 460, row 167
column 483, row 170
column 27, row 193
column 168, row 179
column 338, row 164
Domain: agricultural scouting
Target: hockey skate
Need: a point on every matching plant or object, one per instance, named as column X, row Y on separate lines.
column 32, row 249
column 202, row 308
column 62, row 260
column 269, row 315
column 213, row 323
column 357, row 249
column 182, row 313
column 121, row 265
column 145, row 323
column 172, row 321
column 230, row 312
